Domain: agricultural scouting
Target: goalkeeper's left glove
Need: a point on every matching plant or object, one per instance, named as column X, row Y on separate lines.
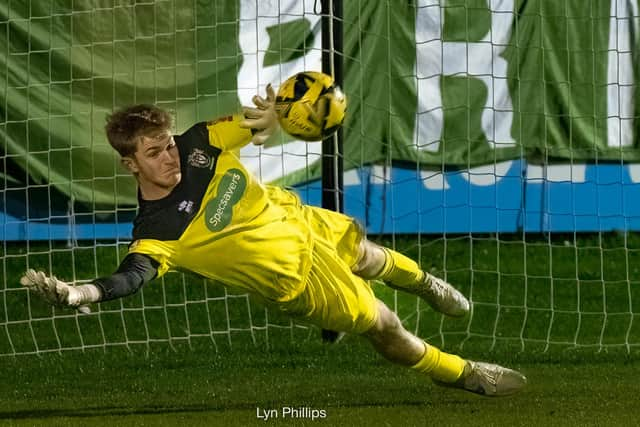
column 59, row 293
column 262, row 120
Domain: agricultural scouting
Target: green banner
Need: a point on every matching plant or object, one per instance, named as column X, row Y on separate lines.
column 450, row 83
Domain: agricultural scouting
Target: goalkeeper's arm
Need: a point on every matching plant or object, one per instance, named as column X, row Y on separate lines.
column 134, row 271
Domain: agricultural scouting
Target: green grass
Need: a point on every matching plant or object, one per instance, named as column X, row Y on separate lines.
column 347, row 380
column 561, row 309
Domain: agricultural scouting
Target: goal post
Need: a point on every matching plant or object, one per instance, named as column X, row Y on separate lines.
column 332, row 147
column 496, row 142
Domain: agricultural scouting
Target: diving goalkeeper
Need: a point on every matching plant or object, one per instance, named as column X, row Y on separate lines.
column 200, row 210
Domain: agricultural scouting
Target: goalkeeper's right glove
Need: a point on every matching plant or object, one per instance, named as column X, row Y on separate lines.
column 59, row 293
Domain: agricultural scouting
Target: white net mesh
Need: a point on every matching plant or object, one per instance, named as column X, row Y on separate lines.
column 493, row 144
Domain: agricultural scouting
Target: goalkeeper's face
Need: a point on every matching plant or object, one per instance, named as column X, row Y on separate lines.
column 156, row 164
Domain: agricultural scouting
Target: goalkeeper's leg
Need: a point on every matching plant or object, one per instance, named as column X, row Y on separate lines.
column 401, row 272
column 396, row 344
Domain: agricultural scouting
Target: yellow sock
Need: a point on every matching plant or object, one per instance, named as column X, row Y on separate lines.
column 439, row 365
column 400, row 271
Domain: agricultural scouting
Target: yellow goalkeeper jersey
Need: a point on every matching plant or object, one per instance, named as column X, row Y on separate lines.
column 223, row 224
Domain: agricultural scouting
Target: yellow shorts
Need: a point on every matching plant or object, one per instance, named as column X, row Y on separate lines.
column 334, row 298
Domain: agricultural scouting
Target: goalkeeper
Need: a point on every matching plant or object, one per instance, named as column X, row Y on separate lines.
column 200, row 210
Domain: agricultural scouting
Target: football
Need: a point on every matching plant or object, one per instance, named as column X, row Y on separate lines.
column 310, row 106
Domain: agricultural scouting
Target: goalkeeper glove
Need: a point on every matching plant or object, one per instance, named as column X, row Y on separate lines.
column 262, row 120
column 59, row 293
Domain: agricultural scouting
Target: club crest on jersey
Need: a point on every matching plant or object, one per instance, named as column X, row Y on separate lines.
column 185, row 206
column 198, row 158
column 219, row 210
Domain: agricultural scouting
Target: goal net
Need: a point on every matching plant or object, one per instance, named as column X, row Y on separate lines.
column 494, row 141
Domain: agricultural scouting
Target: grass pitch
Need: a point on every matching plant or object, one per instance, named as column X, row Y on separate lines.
column 347, row 381
column 558, row 309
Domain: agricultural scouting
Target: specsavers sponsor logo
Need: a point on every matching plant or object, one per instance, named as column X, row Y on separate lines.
column 219, row 210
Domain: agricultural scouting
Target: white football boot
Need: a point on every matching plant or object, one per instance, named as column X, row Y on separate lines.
column 488, row 379
column 443, row 297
